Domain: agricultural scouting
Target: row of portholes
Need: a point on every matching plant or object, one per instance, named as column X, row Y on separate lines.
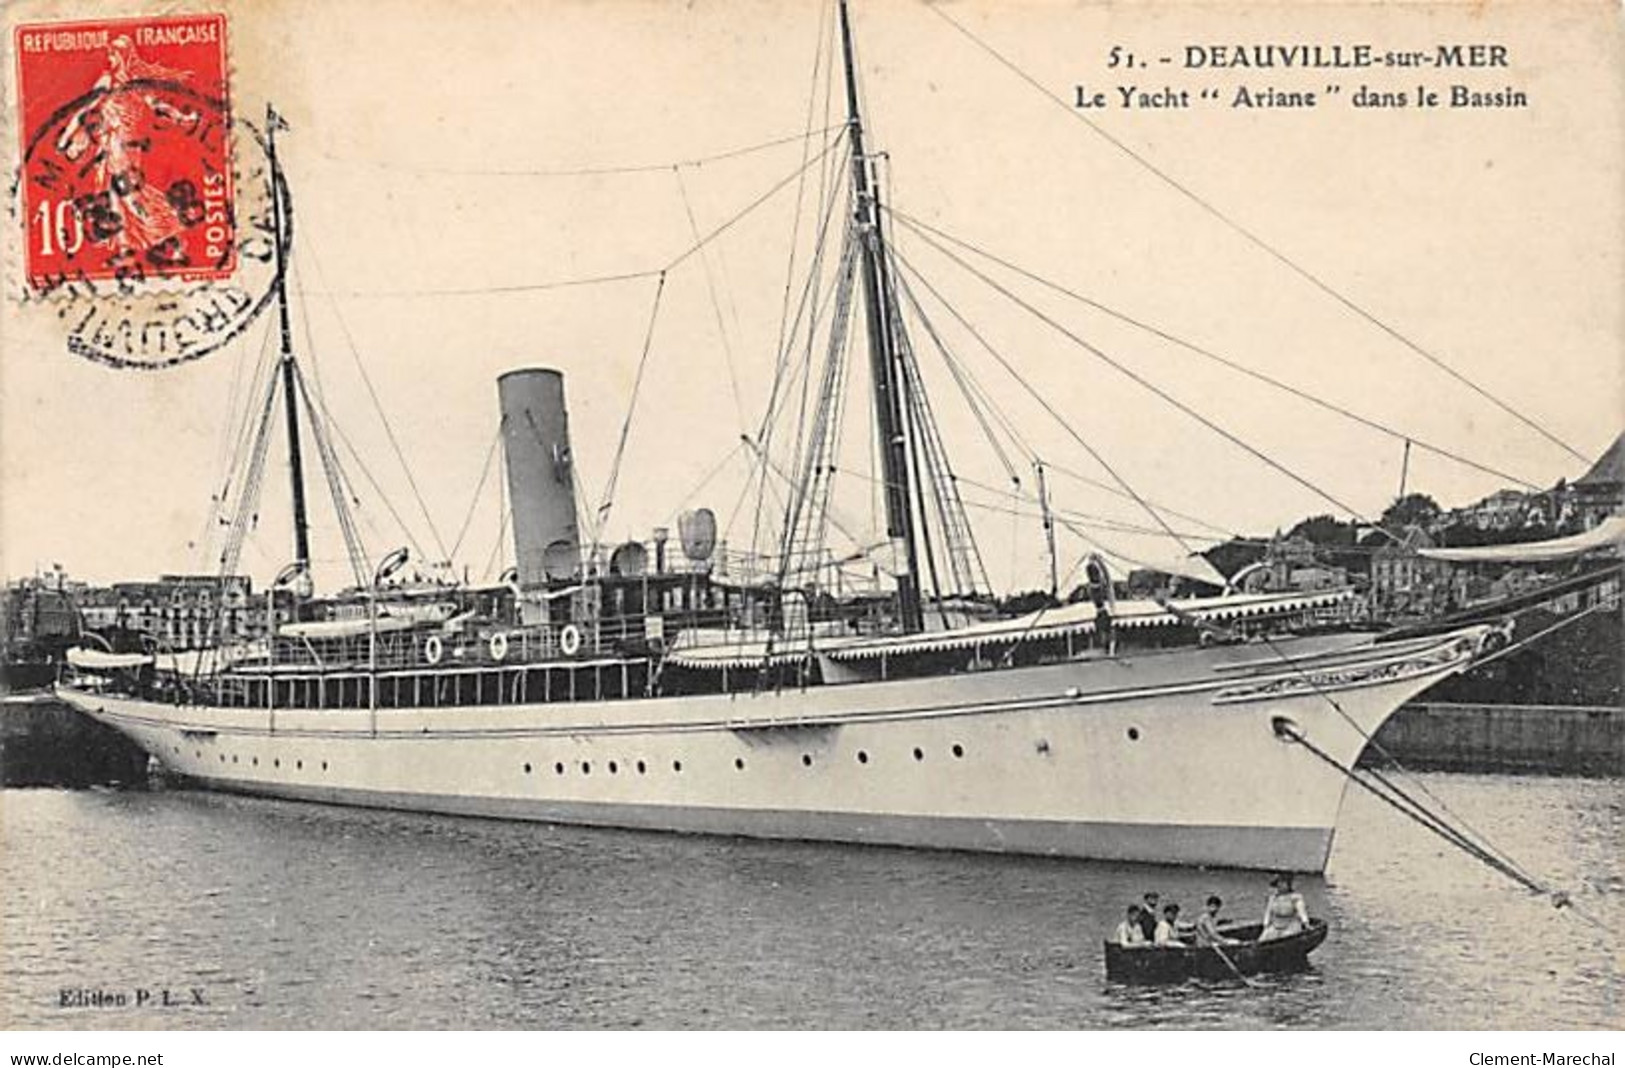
column 614, row 767
column 276, row 762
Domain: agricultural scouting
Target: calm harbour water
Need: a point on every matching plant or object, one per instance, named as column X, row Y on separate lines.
column 300, row 916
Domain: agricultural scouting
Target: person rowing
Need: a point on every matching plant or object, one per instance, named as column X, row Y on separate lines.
column 1207, row 925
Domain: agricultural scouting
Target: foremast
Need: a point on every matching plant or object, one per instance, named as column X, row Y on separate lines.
column 885, row 370
column 296, row 467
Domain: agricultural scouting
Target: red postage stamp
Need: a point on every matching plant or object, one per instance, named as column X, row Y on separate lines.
column 126, row 156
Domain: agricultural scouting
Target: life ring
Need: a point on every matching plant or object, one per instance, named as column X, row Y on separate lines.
column 570, row 640
column 498, row 646
column 433, row 650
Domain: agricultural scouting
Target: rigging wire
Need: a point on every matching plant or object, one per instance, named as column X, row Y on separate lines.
column 1150, row 386
column 1043, row 402
column 716, row 304
column 578, row 172
column 632, row 407
column 335, row 483
column 479, row 489
column 383, row 417
column 917, row 226
column 1252, row 237
column 602, row 279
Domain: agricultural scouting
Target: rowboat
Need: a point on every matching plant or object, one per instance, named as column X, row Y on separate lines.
column 1165, row 964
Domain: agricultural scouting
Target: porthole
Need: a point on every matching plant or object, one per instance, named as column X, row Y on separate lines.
column 299, row 765
column 586, row 767
column 642, row 767
column 1134, row 734
column 222, row 758
column 614, row 767
column 199, row 753
column 277, row 763
column 234, row 758
column 806, row 760
column 739, row 763
column 863, row 758
column 256, row 762
column 558, row 769
column 919, row 754
column 677, row 765
column 958, row 750
column 324, row 765
column 527, row 769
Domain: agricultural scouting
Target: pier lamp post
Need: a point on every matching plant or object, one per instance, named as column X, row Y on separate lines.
column 386, row 567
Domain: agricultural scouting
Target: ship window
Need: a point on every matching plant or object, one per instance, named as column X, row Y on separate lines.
column 863, row 758
column 299, row 765
column 806, row 760
column 958, row 750
column 277, row 763
column 586, row 767
column 256, row 762
column 739, row 763
column 527, row 769
column 222, row 758
column 613, row 767
column 324, row 765
column 1134, row 734
column 919, row 754
column 642, row 767
column 558, row 769
column 677, row 765
column 234, row 758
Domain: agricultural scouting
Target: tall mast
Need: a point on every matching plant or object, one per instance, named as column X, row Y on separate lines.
column 296, row 466
column 883, row 367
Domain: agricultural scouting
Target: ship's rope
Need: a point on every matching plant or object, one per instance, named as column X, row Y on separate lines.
column 582, row 172
column 1483, row 840
column 711, row 291
column 1469, row 839
column 479, row 490
column 608, row 502
column 383, row 416
column 918, row 226
column 1249, row 235
column 1144, row 383
column 1419, row 814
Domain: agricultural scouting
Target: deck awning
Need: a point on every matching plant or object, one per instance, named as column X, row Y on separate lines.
column 1609, row 535
column 737, row 649
column 97, row 660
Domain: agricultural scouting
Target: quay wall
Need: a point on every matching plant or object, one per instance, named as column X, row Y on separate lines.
column 1541, row 739
column 45, row 743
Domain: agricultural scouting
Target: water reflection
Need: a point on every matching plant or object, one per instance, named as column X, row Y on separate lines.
column 304, row 916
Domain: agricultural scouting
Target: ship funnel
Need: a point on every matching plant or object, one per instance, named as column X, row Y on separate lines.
column 541, row 477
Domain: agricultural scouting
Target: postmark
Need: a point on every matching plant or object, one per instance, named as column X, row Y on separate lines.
column 144, row 207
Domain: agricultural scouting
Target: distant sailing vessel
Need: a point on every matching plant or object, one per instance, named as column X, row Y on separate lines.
column 681, row 688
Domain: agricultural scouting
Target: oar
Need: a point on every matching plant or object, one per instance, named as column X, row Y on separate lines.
column 1232, row 966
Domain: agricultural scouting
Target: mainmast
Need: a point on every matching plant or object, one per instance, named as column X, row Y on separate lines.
column 296, row 467
column 883, row 363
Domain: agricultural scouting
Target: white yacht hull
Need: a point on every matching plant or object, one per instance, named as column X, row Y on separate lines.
column 1170, row 757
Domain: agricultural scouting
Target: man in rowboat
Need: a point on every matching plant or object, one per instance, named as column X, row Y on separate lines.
column 1207, row 925
column 1168, row 930
column 1128, row 933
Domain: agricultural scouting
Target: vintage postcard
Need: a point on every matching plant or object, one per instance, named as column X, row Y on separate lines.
column 812, row 514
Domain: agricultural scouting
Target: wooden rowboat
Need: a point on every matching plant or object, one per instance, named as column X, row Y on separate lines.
column 1154, row 964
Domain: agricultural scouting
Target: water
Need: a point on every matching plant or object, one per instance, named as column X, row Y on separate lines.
column 300, row 916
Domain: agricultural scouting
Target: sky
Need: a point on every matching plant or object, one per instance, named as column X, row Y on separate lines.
column 425, row 152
